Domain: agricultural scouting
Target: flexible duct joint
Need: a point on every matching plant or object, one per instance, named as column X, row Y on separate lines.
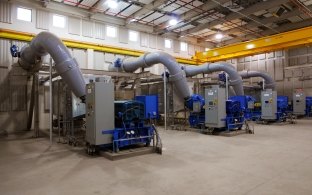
column 150, row 59
column 66, row 66
column 269, row 82
column 235, row 79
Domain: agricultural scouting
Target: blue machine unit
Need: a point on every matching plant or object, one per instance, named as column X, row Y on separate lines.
column 282, row 108
column 235, row 112
column 197, row 112
column 130, row 127
column 308, row 106
column 246, row 105
column 151, row 105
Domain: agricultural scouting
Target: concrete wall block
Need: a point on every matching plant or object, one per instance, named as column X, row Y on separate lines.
column 293, row 61
column 288, row 73
column 241, row 60
column 247, row 59
column 292, row 52
column 302, row 60
column 279, row 53
column 270, row 55
column 254, row 58
column 240, row 67
column 261, row 56
column 297, row 73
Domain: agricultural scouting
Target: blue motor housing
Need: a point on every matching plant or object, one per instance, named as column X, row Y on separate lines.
column 246, row 105
column 282, row 104
column 130, row 127
column 308, row 106
column 234, row 113
column 195, row 98
column 150, row 104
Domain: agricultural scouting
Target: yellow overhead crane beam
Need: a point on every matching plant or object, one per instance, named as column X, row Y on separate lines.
column 280, row 41
column 21, row 36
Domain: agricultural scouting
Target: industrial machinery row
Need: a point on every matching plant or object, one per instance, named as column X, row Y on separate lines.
column 119, row 124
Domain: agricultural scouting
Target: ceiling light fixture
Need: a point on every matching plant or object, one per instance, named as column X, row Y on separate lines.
column 112, row 4
column 173, row 22
column 219, row 36
column 250, row 46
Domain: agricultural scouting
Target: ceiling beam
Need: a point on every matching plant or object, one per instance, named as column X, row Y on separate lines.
column 237, row 15
column 282, row 28
column 146, row 9
column 253, row 24
column 189, row 15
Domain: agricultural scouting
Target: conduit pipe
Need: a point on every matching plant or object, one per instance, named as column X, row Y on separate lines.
column 66, row 66
column 235, row 80
column 177, row 75
column 269, row 82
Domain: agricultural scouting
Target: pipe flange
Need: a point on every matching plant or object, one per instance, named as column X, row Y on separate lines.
column 66, row 65
column 144, row 61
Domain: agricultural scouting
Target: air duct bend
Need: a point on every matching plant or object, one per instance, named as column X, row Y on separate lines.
column 269, row 82
column 177, row 76
column 66, row 66
column 235, row 80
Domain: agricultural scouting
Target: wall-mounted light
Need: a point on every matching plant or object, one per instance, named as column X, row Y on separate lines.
column 173, row 22
column 219, row 36
column 111, row 4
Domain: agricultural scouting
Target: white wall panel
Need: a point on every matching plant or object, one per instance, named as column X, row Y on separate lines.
column 99, row 30
column 87, row 28
column 81, row 57
column 144, row 39
column 176, row 46
column 123, row 35
column 109, row 57
column 5, row 12
column 279, row 67
column 160, row 43
column 191, row 49
column 5, row 57
column 270, row 67
column 74, row 25
column 152, row 41
column 42, row 20
column 98, row 60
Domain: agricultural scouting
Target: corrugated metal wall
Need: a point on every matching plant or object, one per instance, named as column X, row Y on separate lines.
column 5, row 12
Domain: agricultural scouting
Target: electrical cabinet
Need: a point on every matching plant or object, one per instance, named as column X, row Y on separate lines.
column 299, row 103
column 215, row 107
column 100, row 114
column 268, row 105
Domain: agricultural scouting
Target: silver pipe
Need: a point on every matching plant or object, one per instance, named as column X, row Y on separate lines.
column 177, row 75
column 66, row 66
column 165, row 98
column 235, row 80
column 269, row 82
column 50, row 102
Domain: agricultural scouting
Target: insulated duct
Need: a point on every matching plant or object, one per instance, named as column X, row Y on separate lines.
column 66, row 66
column 177, row 75
column 235, row 80
column 269, row 82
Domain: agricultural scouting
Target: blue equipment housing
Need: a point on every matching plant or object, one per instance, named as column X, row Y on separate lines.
column 130, row 127
column 197, row 115
column 246, row 105
column 309, row 106
column 150, row 104
column 235, row 112
column 282, row 108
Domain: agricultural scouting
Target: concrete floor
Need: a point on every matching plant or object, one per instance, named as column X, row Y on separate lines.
column 277, row 159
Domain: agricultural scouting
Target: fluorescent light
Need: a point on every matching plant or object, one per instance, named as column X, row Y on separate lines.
column 250, row 46
column 207, row 49
column 219, row 36
column 112, row 4
column 173, row 22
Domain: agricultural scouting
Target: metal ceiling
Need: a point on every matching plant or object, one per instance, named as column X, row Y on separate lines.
column 237, row 20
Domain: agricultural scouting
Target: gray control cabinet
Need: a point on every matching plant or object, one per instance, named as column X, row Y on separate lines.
column 299, row 103
column 215, row 107
column 100, row 114
column 268, row 105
